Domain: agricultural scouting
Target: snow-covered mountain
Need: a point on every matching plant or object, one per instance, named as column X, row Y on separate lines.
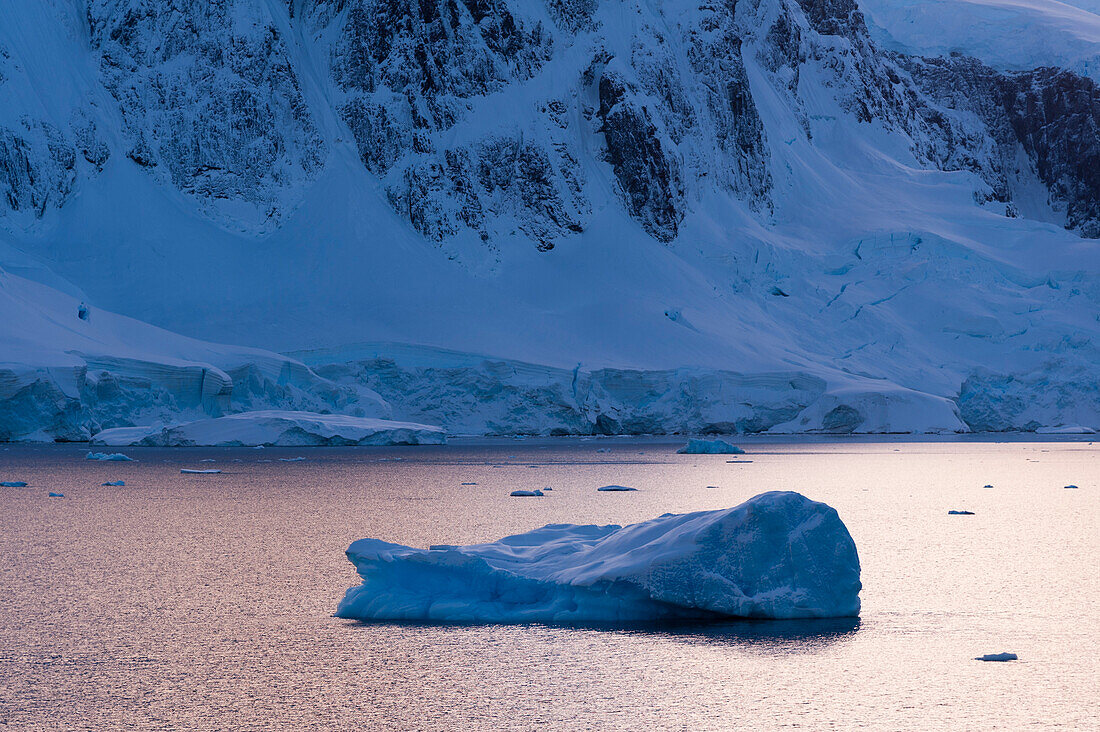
column 567, row 215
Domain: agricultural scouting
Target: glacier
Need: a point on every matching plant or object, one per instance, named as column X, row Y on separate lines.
column 270, row 428
column 563, row 217
column 779, row 555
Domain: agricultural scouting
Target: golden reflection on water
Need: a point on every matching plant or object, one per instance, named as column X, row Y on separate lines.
column 204, row 602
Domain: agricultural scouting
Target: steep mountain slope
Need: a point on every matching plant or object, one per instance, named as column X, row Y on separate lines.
column 653, row 216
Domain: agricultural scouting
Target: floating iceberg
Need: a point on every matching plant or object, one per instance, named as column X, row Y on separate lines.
column 998, row 657
column 276, row 428
column 526, row 494
column 709, row 447
column 114, row 484
column 615, row 488
column 188, row 471
column 778, row 555
column 117, row 457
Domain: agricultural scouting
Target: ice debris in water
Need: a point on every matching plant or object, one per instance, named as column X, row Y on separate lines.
column 960, row 513
column 525, row 493
column 709, row 447
column 114, row 483
column 14, row 484
column 998, row 657
column 615, row 488
column 778, row 555
column 56, row 495
column 117, row 457
column 199, row 472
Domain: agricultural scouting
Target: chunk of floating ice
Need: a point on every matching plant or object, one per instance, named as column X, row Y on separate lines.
column 778, row 555
column 56, row 495
column 525, row 493
column 1071, row 486
column 207, row 460
column 998, row 657
column 960, row 513
column 14, row 484
column 199, row 472
column 614, row 488
column 709, row 447
column 291, row 460
column 117, row 457
column 467, row 483
column 114, row 483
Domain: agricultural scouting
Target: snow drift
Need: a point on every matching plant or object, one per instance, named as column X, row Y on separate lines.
column 275, row 428
column 778, row 555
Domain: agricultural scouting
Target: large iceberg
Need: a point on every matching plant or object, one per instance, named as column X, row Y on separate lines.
column 709, row 447
column 274, row 427
column 778, row 555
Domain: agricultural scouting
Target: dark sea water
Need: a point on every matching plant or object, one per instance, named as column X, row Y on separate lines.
column 205, row 601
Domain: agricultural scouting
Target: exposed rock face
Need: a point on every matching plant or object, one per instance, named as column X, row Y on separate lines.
column 208, row 93
column 479, row 116
column 1043, row 123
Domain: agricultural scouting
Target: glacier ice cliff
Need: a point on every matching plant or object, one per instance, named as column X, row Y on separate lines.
column 778, row 555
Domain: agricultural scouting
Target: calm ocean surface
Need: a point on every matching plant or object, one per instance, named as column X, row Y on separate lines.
column 205, row 601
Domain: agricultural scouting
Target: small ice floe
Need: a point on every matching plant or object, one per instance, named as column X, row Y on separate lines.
column 467, row 483
column 960, row 513
column 207, row 460
column 116, row 457
column 603, row 449
column 522, row 494
column 56, row 495
column 114, row 484
column 291, row 460
column 709, row 447
column 188, row 471
column 615, row 488
column 1071, row 486
column 14, row 484
column 998, row 657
